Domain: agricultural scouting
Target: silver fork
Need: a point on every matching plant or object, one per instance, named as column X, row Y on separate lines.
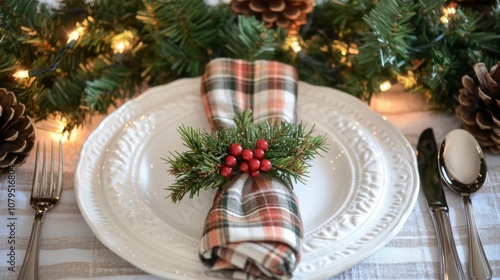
column 45, row 194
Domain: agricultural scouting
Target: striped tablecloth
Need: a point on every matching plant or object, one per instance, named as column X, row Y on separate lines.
column 70, row 250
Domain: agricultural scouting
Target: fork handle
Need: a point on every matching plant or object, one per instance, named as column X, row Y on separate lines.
column 30, row 265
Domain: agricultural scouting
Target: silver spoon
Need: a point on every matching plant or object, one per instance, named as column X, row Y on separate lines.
column 463, row 169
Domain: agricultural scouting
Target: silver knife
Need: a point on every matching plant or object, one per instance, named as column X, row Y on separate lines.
column 427, row 157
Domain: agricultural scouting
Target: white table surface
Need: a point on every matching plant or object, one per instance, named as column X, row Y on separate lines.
column 70, row 250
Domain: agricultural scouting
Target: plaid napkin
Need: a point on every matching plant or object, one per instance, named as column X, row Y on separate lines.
column 253, row 230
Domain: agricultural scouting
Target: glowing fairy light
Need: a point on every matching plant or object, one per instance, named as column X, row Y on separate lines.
column 21, row 74
column 74, row 36
column 295, row 44
column 385, row 86
column 448, row 13
column 120, row 48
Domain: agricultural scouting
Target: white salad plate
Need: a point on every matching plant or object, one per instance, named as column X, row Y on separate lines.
column 356, row 199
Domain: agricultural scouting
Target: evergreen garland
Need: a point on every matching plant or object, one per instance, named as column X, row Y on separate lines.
column 291, row 147
column 350, row 45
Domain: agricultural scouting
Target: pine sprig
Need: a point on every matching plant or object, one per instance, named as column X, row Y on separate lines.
column 249, row 36
column 291, row 147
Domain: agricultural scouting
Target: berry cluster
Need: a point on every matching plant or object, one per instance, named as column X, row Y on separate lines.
column 251, row 161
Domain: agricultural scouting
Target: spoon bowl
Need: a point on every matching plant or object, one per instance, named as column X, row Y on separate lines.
column 462, row 167
column 461, row 162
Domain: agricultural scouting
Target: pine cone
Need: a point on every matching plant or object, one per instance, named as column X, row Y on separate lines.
column 479, row 106
column 288, row 14
column 17, row 134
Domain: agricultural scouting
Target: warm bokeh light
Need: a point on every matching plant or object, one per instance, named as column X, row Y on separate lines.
column 73, row 36
column 341, row 47
column 385, row 86
column 54, row 128
column 448, row 12
column 294, row 44
column 21, row 74
column 120, row 47
column 121, row 42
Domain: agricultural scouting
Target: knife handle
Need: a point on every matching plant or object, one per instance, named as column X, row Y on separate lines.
column 451, row 268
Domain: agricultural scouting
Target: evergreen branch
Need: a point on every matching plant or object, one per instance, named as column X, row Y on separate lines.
column 175, row 39
column 388, row 41
column 183, row 30
column 291, row 147
column 249, row 40
column 17, row 13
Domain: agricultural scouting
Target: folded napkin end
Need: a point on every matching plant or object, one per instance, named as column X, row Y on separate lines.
column 255, row 227
column 268, row 88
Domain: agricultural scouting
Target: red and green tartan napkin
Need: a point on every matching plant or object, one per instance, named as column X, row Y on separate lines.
column 254, row 229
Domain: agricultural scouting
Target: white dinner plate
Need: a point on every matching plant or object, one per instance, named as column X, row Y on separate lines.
column 357, row 198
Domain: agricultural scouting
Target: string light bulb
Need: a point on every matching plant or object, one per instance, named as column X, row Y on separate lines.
column 448, row 13
column 55, row 127
column 72, row 39
column 295, row 45
column 120, row 47
column 74, row 36
column 385, row 86
column 120, row 43
column 21, row 74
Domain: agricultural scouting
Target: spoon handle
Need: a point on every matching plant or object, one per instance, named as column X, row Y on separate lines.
column 479, row 268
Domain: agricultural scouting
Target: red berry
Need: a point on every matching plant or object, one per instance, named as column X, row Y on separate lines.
column 230, row 160
column 262, row 144
column 254, row 164
column 254, row 173
column 247, row 155
column 258, row 153
column 226, row 171
column 265, row 165
column 235, row 149
column 244, row 167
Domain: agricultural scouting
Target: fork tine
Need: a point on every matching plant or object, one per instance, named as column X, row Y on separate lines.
column 48, row 185
column 43, row 182
column 36, row 185
column 51, row 187
column 60, row 170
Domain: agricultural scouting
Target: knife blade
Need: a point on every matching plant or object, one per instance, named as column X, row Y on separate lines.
column 427, row 157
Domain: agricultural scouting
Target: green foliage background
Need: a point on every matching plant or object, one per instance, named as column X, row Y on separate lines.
column 397, row 40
